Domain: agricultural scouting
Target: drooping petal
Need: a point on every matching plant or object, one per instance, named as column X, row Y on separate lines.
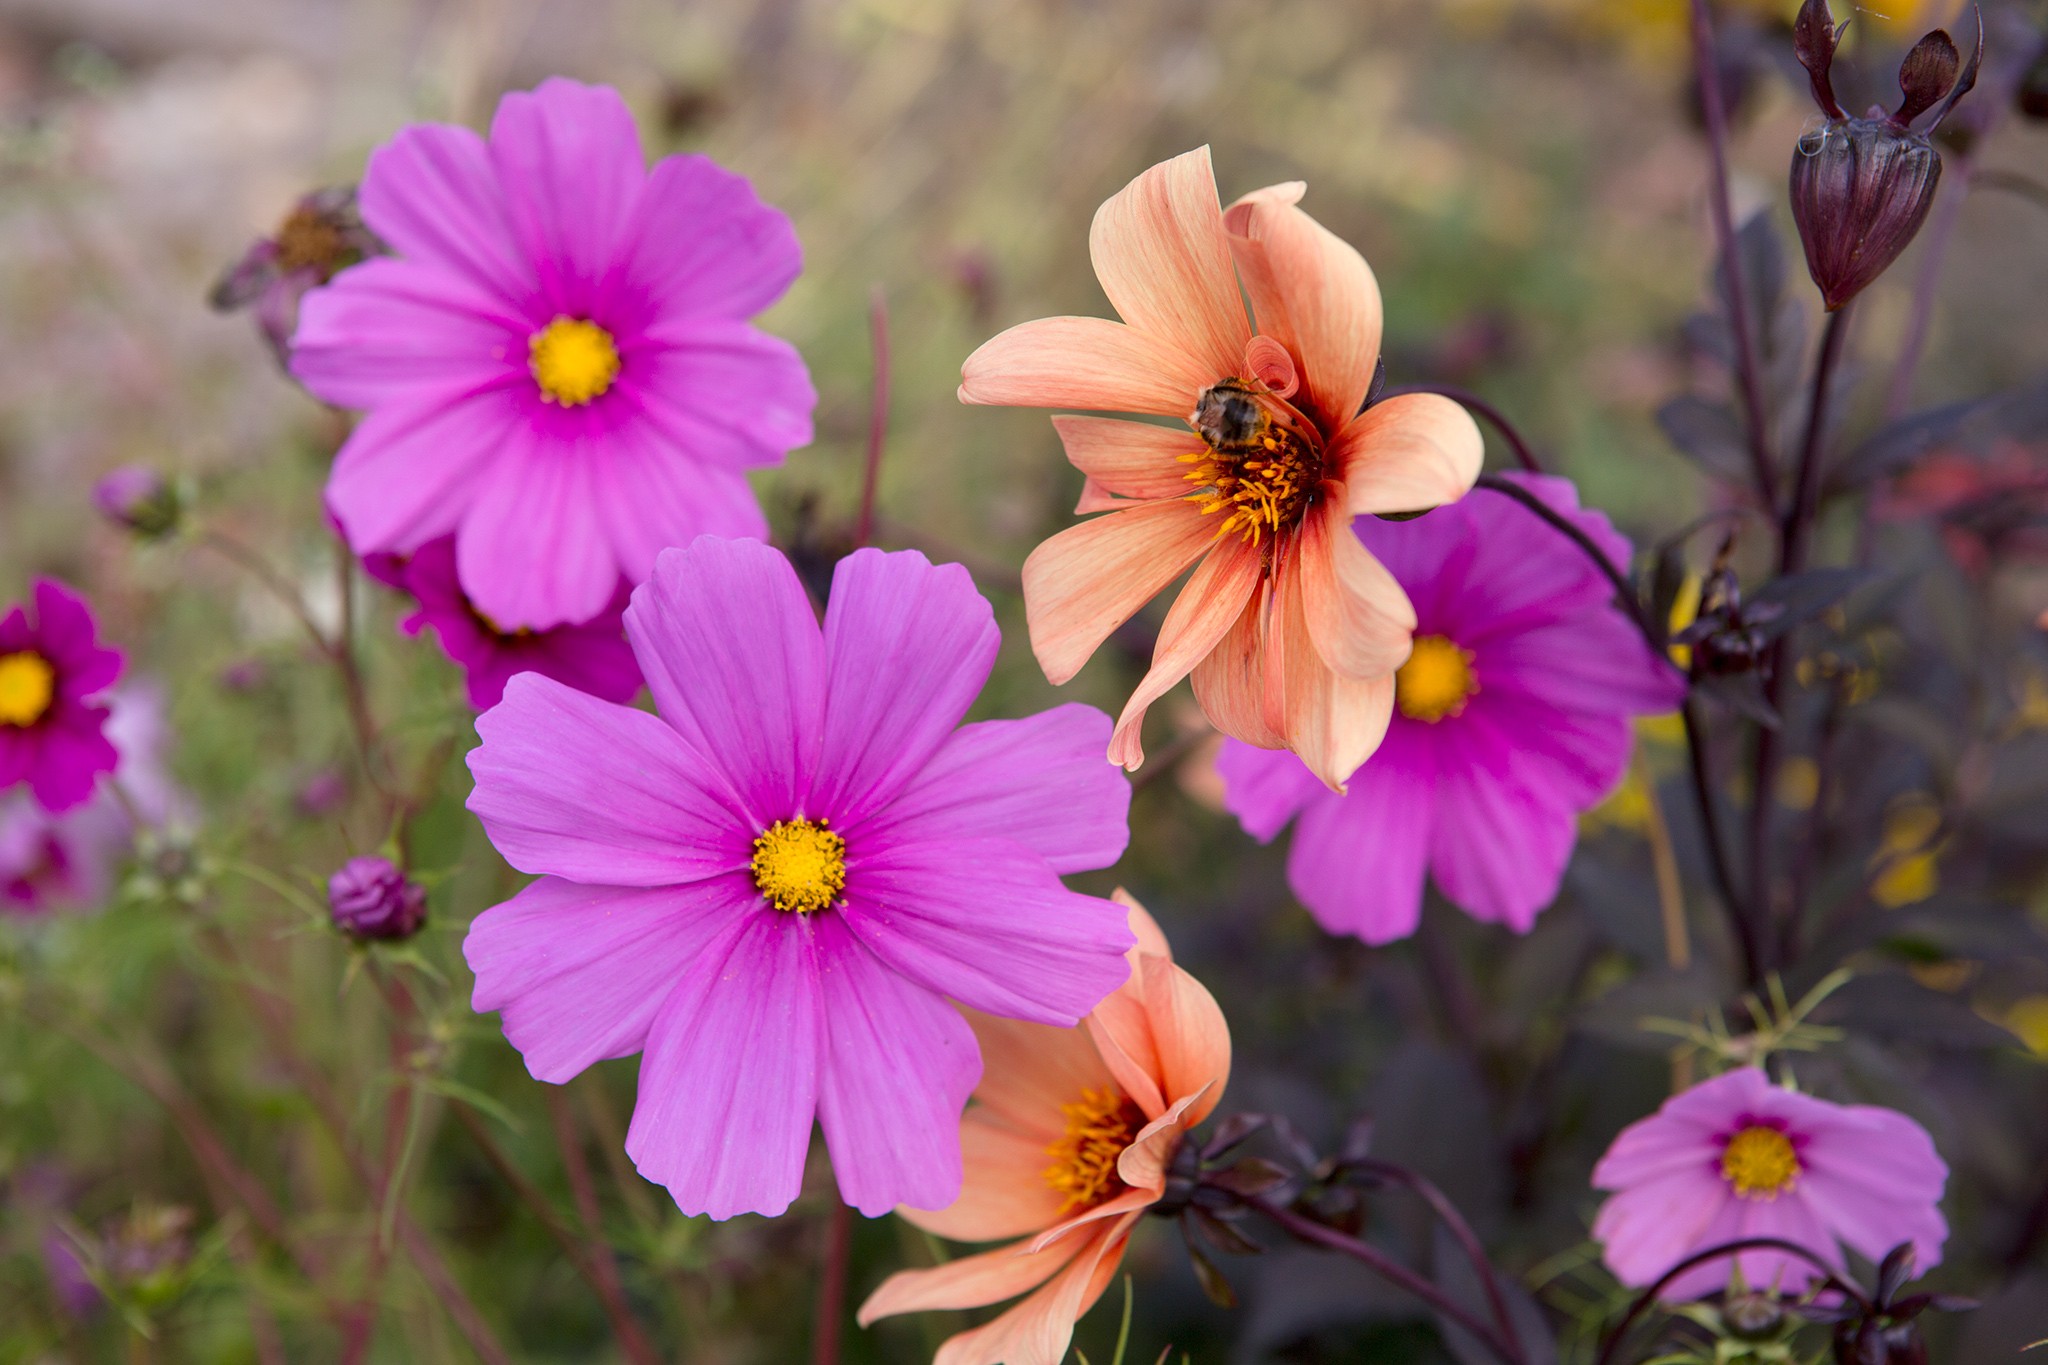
column 1039, row 1330
column 969, row 1282
column 410, row 470
column 432, row 195
column 1210, row 604
column 599, row 793
column 1407, row 454
column 1004, row 1192
column 986, row 922
column 1091, row 578
column 1129, row 459
column 1312, row 291
column 733, row 655
column 1159, row 249
column 1233, row 682
column 997, row 779
column 1333, row 722
column 579, row 972
column 1357, row 861
column 1360, row 619
column 1087, row 363
column 389, row 329
column 908, row 645
column 702, row 244
column 569, row 163
column 899, row 1063
column 729, row 1084
column 531, row 549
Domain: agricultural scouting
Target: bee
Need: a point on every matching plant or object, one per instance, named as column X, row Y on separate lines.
column 1231, row 416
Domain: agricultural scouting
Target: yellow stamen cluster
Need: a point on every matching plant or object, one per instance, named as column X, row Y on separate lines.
column 800, row 865
column 1759, row 1163
column 1265, row 490
column 1099, row 1126
column 573, row 361
column 27, row 686
column 1436, row 681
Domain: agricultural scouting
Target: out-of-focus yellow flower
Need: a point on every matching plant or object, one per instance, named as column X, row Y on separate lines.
column 1906, row 859
column 2029, row 1020
column 1627, row 809
column 1799, row 784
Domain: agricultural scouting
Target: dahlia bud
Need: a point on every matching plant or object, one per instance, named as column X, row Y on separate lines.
column 140, row 499
column 370, row 898
column 1861, row 187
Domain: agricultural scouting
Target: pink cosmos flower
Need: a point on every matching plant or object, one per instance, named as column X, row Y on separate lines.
column 775, row 887
column 1738, row 1157
column 1511, row 716
column 51, row 670
column 591, row 656
column 1288, row 630
column 59, row 862
column 557, row 364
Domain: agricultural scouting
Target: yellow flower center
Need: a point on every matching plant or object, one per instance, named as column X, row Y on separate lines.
column 1259, row 472
column 1760, row 1163
column 573, row 361
column 27, row 685
column 800, row 865
column 1436, row 681
column 1099, row 1126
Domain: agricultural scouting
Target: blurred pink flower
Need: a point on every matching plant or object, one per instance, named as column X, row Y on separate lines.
column 591, row 656
column 1289, row 629
column 1737, row 1156
column 1513, row 715
column 321, row 236
column 54, row 862
column 51, row 671
column 773, row 887
column 557, row 365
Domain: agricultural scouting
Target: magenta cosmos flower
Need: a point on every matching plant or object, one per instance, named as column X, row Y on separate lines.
column 1511, row 716
column 1739, row 1157
column 775, row 887
column 557, row 365
column 52, row 735
column 591, row 656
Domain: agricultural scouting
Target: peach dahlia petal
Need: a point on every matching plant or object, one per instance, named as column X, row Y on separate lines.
column 1129, row 459
column 1333, row 722
column 1160, row 251
column 1200, row 617
column 1408, row 453
column 1311, row 291
column 1091, row 578
column 1358, row 614
column 1088, row 363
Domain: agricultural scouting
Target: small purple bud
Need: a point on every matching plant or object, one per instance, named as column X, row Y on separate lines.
column 321, row 236
column 1861, row 188
column 370, row 898
column 139, row 499
column 321, row 794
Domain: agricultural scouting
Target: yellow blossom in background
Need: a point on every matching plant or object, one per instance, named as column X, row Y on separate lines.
column 1905, row 862
column 2029, row 1021
column 1799, row 784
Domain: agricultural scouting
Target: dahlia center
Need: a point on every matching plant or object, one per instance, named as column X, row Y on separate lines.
column 27, row 686
column 1100, row 1125
column 1436, row 681
column 1759, row 1162
column 573, row 361
column 1257, row 472
column 800, row 865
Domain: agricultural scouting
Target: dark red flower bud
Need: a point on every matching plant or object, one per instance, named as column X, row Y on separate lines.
column 370, row 898
column 1862, row 187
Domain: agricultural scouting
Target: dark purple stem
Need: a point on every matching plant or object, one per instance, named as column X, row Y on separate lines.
column 1394, row 1272
column 1748, row 371
column 1524, row 455
column 1460, row 1230
column 832, row 1286
column 878, row 418
column 1649, row 1296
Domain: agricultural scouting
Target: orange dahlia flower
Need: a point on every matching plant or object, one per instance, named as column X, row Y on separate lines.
column 1066, row 1144
column 1291, row 629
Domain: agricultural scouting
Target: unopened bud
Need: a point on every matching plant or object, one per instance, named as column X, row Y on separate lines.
column 1862, row 187
column 139, row 499
column 370, row 898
